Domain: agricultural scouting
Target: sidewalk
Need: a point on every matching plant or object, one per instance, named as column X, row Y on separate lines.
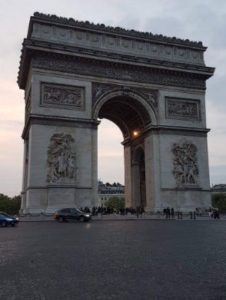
column 115, row 217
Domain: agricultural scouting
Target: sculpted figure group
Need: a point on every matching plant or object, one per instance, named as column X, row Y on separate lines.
column 185, row 164
column 61, row 159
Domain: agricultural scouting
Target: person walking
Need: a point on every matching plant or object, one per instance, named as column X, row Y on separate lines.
column 172, row 212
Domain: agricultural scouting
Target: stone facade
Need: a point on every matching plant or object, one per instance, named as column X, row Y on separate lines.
column 153, row 87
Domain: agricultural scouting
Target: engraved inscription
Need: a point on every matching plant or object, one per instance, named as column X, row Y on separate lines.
column 62, row 96
column 182, row 109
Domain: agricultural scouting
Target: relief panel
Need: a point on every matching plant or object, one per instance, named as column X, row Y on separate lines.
column 184, row 109
column 62, row 96
column 185, row 164
column 61, row 158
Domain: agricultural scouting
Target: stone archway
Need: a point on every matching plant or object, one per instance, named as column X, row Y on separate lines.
column 134, row 116
column 153, row 87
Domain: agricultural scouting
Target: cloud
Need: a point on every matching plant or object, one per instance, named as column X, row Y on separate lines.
column 165, row 25
column 218, row 174
column 196, row 20
column 111, row 169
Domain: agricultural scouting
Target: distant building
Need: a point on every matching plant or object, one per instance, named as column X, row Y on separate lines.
column 218, row 188
column 108, row 190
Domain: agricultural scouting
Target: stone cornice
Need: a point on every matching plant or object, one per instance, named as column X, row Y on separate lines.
column 44, row 46
column 70, row 22
column 51, row 34
column 114, row 69
column 37, row 119
column 163, row 129
column 56, row 34
column 169, row 130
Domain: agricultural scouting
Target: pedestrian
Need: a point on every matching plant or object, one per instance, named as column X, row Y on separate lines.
column 141, row 211
column 168, row 213
column 164, row 212
column 172, row 213
column 138, row 211
column 194, row 214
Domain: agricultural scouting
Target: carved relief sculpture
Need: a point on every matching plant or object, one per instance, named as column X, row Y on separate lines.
column 60, row 95
column 182, row 109
column 185, row 166
column 61, row 159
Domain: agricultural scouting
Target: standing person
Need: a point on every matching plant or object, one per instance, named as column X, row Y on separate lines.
column 141, row 211
column 137, row 211
column 168, row 213
column 172, row 213
column 210, row 213
column 194, row 215
column 164, row 212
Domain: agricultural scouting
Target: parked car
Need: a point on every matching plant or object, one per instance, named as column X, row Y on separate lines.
column 6, row 219
column 67, row 214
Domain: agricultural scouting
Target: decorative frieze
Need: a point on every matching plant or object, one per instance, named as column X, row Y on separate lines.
column 184, row 109
column 61, row 158
column 100, row 89
column 56, row 95
column 185, row 164
column 118, row 71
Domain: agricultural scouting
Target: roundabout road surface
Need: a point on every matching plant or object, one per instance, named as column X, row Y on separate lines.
column 149, row 259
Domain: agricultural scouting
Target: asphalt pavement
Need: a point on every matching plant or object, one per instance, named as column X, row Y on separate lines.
column 134, row 260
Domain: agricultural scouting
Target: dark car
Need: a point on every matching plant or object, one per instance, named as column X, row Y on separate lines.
column 6, row 219
column 70, row 214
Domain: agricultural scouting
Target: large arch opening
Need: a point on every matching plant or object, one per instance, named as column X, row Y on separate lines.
column 110, row 153
column 128, row 113
column 132, row 117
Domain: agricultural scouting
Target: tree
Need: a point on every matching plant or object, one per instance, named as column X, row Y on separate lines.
column 219, row 201
column 10, row 205
column 115, row 203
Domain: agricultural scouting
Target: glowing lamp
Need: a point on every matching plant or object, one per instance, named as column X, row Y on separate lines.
column 135, row 133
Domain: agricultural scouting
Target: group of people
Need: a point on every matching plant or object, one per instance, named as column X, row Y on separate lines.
column 168, row 213
column 95, row 210
column 214, row 213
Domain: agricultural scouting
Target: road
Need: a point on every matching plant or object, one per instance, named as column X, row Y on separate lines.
column 130, row 259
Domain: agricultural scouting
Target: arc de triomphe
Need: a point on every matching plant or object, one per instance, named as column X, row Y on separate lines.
column 152, row 87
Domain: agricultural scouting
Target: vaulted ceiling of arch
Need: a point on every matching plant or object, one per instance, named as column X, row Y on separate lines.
column 127, row 113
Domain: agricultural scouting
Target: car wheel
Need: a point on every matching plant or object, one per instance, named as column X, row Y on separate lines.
column 61, row 219
column 82, row 219
column 4, row 224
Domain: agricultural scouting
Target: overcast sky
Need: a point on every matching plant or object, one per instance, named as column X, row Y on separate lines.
column 197, row 20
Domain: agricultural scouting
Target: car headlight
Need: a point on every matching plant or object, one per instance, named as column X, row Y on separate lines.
column 87, row 215
column 8, row 219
